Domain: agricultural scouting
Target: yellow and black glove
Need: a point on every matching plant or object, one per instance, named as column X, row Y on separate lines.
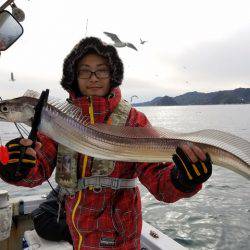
column 187, row 175
column 19, row 163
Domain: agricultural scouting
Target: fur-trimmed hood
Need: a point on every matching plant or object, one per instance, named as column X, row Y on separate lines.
column 69, row 78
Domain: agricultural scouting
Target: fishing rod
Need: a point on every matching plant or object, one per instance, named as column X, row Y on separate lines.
column 36, row 120
column 37, row 117
column 32, row 135
column 35, row 123
column 34, row 127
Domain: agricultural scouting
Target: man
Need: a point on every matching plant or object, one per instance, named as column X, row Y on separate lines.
column 106, row 213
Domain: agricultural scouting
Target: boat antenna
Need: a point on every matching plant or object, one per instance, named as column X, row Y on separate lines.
column 86, row 29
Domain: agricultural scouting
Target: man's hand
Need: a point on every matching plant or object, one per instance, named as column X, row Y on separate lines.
column 192, row 167
column 30, row 150
column 22, row 157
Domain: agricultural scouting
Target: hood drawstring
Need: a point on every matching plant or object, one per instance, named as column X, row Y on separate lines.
column 91, row 110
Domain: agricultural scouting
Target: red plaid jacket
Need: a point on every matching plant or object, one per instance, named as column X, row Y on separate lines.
column 111, row 215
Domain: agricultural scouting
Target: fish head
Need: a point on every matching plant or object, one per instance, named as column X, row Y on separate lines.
column 17, row 110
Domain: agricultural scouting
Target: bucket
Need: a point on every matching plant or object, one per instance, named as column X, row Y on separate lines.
column 5, row 215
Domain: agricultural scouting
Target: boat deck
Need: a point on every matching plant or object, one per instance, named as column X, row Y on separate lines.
column 151, row 238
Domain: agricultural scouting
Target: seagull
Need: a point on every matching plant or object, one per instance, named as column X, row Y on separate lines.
column 12, row 77
column 133, row 96
column 142, row 42
column 118, row 43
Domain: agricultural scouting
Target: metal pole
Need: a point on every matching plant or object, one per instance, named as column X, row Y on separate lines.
column 6, row 4
column 86, row 28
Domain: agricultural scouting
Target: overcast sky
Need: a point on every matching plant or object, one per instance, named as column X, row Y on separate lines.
column 193, row 45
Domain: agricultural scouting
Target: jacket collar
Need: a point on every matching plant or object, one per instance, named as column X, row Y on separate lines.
column 102, row 106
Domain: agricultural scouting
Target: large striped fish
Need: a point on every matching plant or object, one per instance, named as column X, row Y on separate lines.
column 65, row 124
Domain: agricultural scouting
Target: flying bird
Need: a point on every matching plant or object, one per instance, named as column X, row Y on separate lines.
column 142, row 42
column 12, row 77
column 132, row 97
column 118, row 43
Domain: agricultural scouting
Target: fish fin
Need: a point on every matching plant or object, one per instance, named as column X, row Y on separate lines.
column 67, row 109
column 32, row 93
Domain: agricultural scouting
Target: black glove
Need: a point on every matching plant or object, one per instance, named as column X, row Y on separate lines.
column 19, row 163
column 186, row 175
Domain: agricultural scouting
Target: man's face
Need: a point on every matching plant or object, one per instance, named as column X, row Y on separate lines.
column 93, row 84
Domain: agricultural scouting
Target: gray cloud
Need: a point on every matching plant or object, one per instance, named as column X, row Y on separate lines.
column 145, row 89
column 219, row 64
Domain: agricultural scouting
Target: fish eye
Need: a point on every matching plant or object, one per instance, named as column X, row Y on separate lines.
column 4, row 109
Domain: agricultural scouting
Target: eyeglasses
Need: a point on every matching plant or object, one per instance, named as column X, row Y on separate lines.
column 100, row 73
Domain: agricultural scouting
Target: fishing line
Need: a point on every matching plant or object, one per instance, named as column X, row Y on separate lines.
column 18, row 129
column 25, row 131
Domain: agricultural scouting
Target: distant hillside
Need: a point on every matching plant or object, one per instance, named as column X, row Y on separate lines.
column 236, row 96
column 160, row 101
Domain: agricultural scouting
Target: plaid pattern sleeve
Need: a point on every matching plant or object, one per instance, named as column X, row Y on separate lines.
column 156, row 177
column 45, row 164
